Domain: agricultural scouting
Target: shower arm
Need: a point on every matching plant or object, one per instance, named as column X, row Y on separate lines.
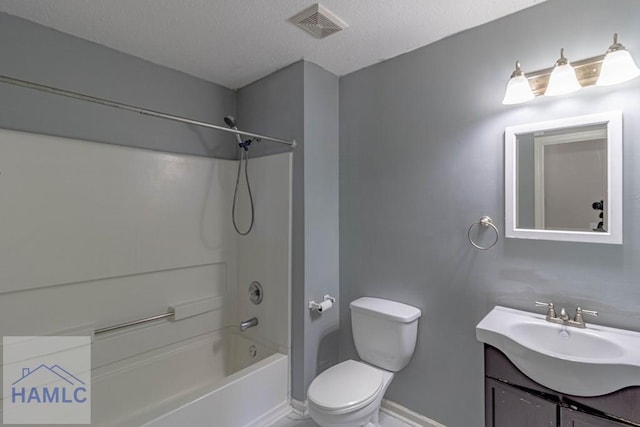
column 108, row 103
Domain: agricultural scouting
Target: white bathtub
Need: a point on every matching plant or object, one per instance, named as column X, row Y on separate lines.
column 209, row 381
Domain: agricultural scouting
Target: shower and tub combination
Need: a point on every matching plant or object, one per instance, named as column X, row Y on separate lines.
column 159, row 257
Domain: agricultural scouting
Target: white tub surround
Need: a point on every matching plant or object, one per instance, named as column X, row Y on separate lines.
column 96, row 235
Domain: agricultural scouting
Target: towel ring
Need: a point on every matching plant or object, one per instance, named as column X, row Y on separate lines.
column 485, row 221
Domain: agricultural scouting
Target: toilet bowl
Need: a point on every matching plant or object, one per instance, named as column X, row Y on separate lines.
column 349, row 394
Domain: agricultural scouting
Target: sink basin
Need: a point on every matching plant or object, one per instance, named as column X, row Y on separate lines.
column 593, row 361
column 566, row 343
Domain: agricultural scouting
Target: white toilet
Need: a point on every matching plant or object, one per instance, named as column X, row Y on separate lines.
column 349, row 394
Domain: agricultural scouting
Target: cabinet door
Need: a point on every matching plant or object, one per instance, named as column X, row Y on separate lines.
column 507, row 406
column 571, row 418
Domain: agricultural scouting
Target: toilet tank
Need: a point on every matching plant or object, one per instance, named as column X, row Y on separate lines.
column 384, row 331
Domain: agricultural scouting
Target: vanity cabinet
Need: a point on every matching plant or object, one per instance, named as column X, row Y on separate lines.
column 514, row 400
column 510, row 406
column 572, row 418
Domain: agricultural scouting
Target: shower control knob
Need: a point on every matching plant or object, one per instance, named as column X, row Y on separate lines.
column 255, row 293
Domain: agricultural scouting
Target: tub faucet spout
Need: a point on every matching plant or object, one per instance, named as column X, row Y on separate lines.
column 250, row 323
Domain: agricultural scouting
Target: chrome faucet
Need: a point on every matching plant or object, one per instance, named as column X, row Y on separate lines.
column 563, row 318
column 250, row 323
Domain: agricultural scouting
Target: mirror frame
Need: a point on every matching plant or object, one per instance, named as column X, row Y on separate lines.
column 613, row 120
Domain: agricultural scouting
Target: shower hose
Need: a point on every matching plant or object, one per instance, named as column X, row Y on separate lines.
column 244, row 158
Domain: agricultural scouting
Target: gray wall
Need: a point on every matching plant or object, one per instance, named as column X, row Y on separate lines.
column 301, row 102
column 321, row 135
column 421, row 159
column 33, row 52
column 274, row 105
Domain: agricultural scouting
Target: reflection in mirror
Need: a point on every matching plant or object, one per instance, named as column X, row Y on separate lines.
column 561, row 174
column 563, row 179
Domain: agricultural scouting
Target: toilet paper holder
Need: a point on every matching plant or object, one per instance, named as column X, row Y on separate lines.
column 322, row 306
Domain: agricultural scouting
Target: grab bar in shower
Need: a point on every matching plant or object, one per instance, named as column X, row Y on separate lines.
column 133, row 323
column 177, row 312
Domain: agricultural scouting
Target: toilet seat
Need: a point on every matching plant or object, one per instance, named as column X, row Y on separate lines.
column 349, row 385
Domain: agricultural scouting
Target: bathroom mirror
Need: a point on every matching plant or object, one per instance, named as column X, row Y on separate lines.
column 563, row 179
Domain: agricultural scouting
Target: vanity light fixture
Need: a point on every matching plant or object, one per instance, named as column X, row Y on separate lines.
column 563, row 79
column 613, row 67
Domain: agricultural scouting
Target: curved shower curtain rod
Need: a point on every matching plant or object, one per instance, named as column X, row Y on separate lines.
column 127, row 107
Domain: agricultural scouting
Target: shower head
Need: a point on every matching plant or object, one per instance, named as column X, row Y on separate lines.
column 230, row 121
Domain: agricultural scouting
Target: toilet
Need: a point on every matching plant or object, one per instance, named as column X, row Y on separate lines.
column 349, row 394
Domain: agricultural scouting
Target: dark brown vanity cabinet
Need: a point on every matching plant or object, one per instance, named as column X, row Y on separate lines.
column 510, row 406
column 514, row 400
column 572, row 418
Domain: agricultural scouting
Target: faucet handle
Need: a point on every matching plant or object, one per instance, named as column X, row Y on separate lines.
column 552, row 311
column 591, row 312
column 580, row 311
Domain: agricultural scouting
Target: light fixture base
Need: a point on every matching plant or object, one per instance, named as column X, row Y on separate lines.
column 587, row 72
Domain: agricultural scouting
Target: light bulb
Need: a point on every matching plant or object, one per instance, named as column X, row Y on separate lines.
column 518, row 88
column 618, row 65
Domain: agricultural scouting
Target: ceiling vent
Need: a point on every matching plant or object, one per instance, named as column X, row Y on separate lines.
column 319, row 21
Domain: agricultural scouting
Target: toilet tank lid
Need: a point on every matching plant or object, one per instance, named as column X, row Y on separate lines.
column 387, row 309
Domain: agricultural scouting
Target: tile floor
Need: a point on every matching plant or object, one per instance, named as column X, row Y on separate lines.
column 295, row 421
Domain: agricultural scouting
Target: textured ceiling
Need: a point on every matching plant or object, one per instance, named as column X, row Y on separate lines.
column 234, row 42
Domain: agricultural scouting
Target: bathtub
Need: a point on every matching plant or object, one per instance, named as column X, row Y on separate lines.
column 221, row 380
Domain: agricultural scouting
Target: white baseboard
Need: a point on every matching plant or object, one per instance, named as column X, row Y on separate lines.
column 300, row 409
column 406, row 415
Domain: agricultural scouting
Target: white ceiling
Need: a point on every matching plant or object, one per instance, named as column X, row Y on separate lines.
column 235, row 42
